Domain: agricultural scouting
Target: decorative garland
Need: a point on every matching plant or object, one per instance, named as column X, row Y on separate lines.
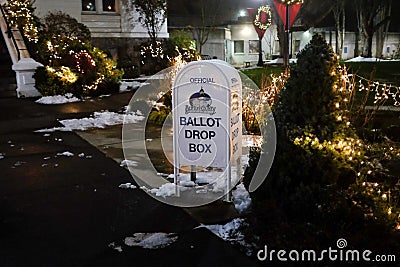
column 258, row 22
column 20, row 13
column 291, row 2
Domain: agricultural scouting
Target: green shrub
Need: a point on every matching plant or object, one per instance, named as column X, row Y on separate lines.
column 182, row 39
column 65, row 50
column 164, row 54
column 325, row 182
column 51, row 81
column 316, row 147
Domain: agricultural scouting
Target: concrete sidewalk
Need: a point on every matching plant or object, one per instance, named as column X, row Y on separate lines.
column 66, row 211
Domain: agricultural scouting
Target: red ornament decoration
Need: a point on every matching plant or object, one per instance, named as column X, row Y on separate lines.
column 294, row 8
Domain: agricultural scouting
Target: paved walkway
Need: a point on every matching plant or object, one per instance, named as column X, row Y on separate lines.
column 66, row 211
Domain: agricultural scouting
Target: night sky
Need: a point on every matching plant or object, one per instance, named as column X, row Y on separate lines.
column 183, row 12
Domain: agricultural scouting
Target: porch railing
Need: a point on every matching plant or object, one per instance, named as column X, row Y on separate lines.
column 10, row 34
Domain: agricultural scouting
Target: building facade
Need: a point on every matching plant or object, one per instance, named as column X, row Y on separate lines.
column 104, row 18
column 244, row 43
column 113, row 26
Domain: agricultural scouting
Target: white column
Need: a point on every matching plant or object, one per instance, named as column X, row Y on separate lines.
column 25, row 68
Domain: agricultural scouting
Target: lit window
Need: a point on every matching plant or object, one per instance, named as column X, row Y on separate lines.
column 253, row 46
column 238, row 46
column 109, row 5
column 89, row 5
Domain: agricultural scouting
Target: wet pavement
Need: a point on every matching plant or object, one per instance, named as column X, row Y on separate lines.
column 59, row 210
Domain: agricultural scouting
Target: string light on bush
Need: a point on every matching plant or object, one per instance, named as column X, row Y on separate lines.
column 291, row 2
column 83, row 61
column 20, row 14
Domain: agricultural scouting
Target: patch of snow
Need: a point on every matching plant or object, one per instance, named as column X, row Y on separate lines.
column 81, row 155
column 97, row 120
column 115, row 246
column 19, row 163
column 231, row 232
column 241, row 199
column 252, row 140
column 151, row 240
column 1, row 156
column 57, row 99
column 127, row 186
column 214, row 180
column 166, row 190
column 187, row 183
column 275, row 61
column 369, row 59
column 66, row 154
column 128, row 163
column 129, row 85
column 144, row 188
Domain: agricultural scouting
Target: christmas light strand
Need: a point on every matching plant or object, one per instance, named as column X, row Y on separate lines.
column 291, row 2
column 20, row 13
column 263, row 25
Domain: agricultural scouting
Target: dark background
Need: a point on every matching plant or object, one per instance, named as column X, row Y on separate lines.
column 184, row 12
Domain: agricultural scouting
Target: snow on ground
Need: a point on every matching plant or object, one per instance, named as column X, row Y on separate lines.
column 57, row 99
column 213, row 183
column 241, row 199
column 280, row 61
column 207, row 181
column 231, row 232
column 66, row 154
column 115, row 246
column 127, row 85
column 128, row 163
column 69, row 98
column 151, row 240
column 82, row 155
column 97, row 120
column 166, row 190
column 1, row 156
column 369, row 59
column 127, row 186
column 18, row 164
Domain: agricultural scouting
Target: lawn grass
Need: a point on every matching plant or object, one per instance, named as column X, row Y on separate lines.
column 255, row 74
column 387, row 71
